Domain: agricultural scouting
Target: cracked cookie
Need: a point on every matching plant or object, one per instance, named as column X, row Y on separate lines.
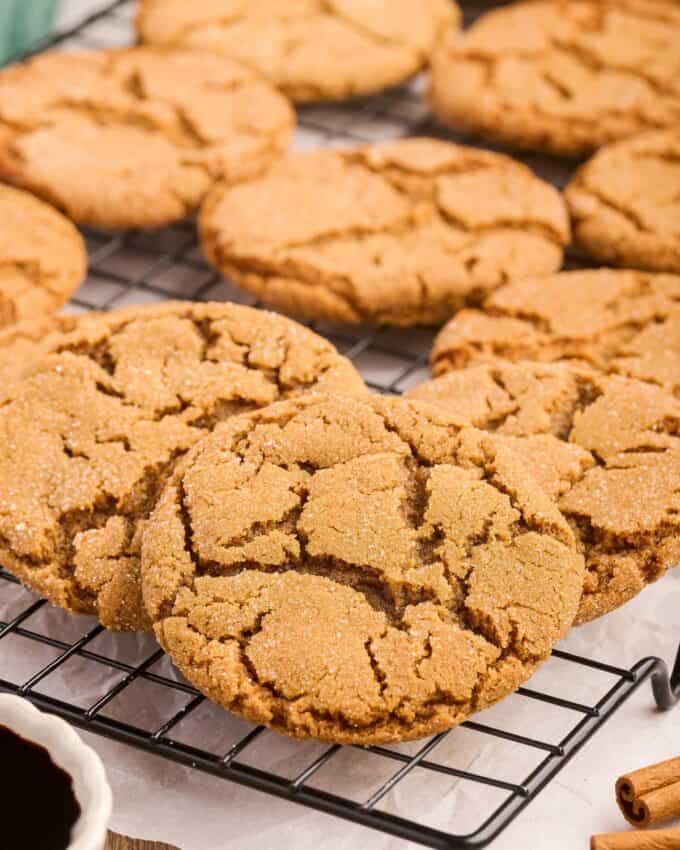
column 356, row 572
column 562, row 76
column 90, row 434
column 135, row 138
column 42, row 257
column 620, row 322
column 606, row 448
column 625, row 202
column 311, row 49
column 402, row 233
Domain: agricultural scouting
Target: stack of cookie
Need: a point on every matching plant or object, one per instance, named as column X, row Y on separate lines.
column 325, row 561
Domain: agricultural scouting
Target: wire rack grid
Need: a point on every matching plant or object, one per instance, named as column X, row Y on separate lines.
column 48, row 657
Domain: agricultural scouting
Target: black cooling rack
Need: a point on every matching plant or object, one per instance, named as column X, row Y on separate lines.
column 496, row 764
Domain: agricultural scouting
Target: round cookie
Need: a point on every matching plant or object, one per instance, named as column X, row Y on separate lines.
column 402, row 233
column 92, row 431
column 625, row 202
column 621, row 322
column 135, row 138
column 311, row 49
column 42, row 257
column 564, row 76
column 356, row 572
column 606, row 448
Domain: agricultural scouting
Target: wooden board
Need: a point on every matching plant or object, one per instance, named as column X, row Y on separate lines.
column 121, row 842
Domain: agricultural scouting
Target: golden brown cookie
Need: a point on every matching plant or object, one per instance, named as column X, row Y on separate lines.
column 606, row 448
column 356, row 571
column 23, row 344
column 135, row 138
column 625, row 202
column 621, row 322
column 311, row 49
column 564, row 76
column 402, row 233
column 42, row 257
column 89, row 436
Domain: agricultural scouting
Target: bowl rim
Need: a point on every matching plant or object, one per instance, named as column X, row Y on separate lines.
column 67, row 750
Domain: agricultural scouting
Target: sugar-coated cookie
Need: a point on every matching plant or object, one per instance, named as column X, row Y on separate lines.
column 564, row 76
column 620, row 322
column 42, row 257
column 135, row 138
column 92, row 431
column 403, row 233
column 310, row 49
column 606, row 448
column 625, row 202
column 276, row 592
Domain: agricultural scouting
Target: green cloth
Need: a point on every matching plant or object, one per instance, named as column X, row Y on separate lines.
column 23, row 23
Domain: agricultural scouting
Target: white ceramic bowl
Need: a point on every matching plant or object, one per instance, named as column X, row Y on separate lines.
column 68, row 752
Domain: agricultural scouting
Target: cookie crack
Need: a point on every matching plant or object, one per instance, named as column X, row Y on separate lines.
column 107, row 114
column 625, row 212
column 668, row 156
column 527, row 522
column 102, row 356
column 579, row 51
column 587, row 393
column 426, row 463
column 490, row 63
column 383, row 595
column 471, row 161
column 589, row 60
column 639, row 549
column 651, row 14
column 612, row 543
column 367, row 32
column 378, row 672
column 283, row 705
column 523, row 225
column 105, row 507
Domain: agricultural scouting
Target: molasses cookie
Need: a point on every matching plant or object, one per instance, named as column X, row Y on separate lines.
column 625, row 202
column 312, row 50
column 621, row 322
column 135, row 138
column 42, row 257
column 356, row 572
column 402, row 233
column 92, row 431
column 565, row 76
column 606, row 448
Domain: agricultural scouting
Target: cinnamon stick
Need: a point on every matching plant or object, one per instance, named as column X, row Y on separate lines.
column 650, row 795
column 651, row 839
